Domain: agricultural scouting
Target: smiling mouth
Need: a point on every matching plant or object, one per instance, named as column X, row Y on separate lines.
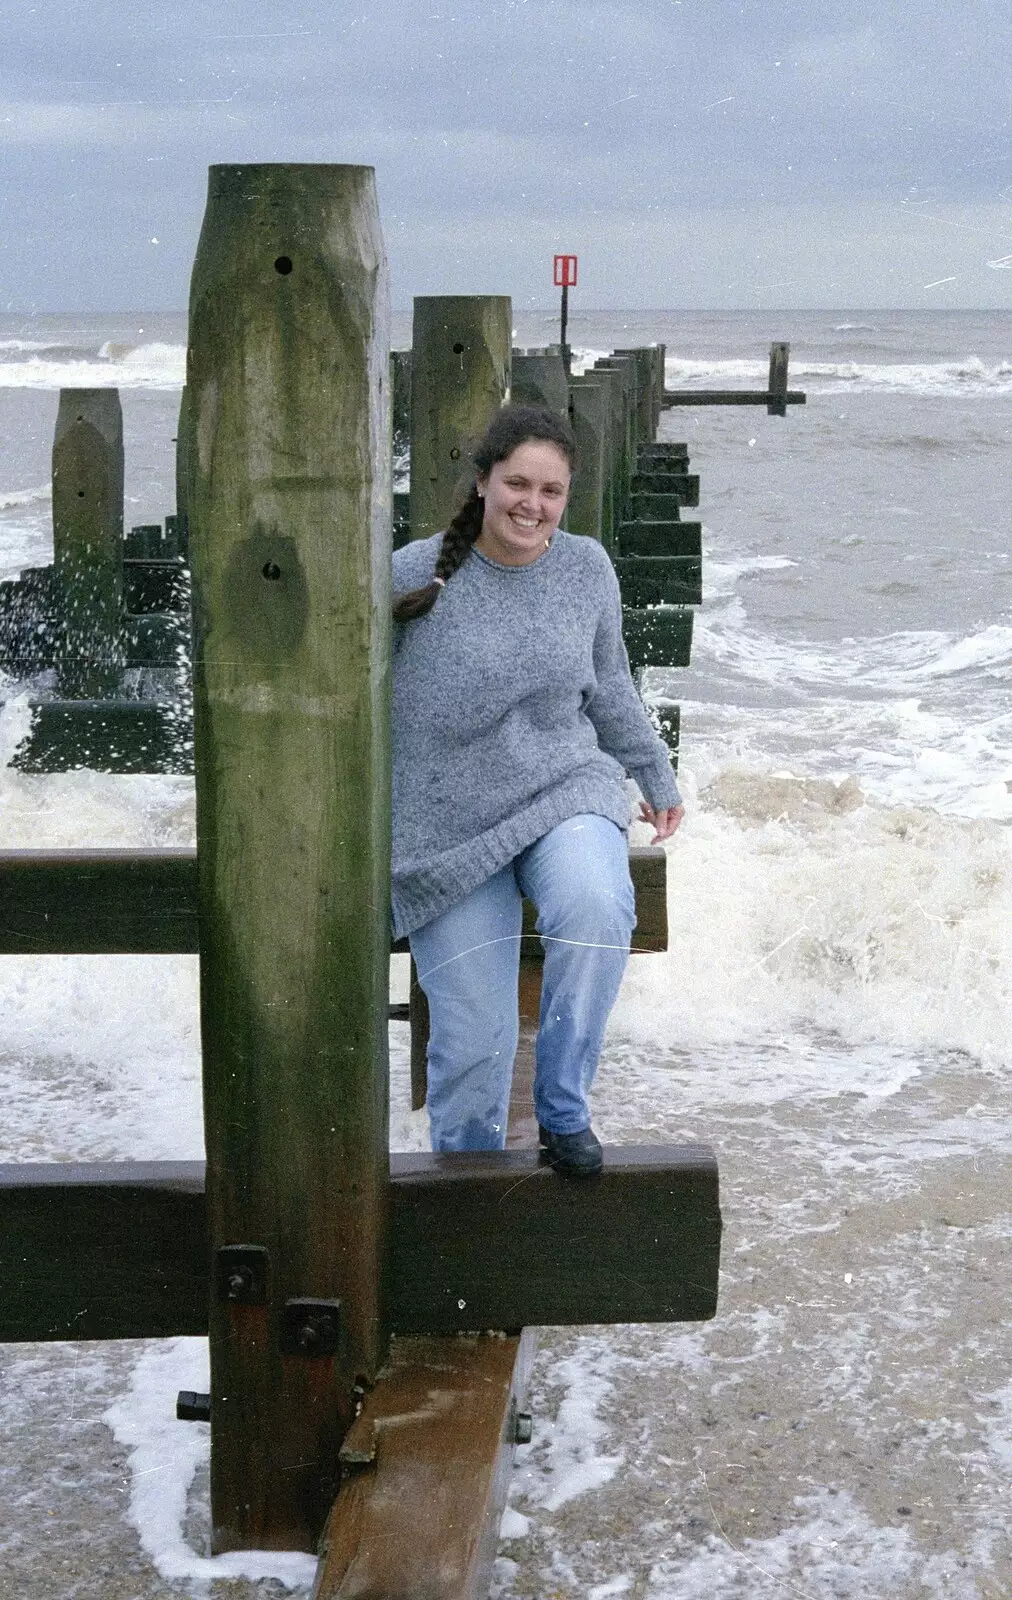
column 525, row 522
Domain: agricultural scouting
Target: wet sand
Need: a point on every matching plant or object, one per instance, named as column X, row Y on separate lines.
column 842, row 1428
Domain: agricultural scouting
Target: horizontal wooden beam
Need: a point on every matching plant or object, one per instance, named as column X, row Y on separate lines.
column 98, row 902
column 144, row 902
column 498, row 1240
column 427, row 1466
column 658, row 636
column 490, row 1240
column 732, row 397
column 107, row 736
column 649, row 538
column 106, row 1250
column 681, row 486
column 660, row 580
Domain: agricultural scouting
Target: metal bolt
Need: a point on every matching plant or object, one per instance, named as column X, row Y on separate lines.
column 523, row 1428
column 240, row 1283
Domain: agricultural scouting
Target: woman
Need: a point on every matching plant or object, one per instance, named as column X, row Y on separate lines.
column 515, row 720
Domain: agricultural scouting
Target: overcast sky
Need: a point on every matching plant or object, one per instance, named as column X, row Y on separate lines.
column 694, row 153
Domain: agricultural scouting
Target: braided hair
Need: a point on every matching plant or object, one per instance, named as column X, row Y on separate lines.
column 511, row 427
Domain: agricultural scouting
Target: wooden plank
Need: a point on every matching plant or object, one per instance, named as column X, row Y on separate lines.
column 160, row 639
column 661, row 539
column 660, row 580
column 110, row 1250
column 664, row 452
column 732, row 397
column 105, row 736
column 418, row 1512
column 151, row 584
column 144, row 902
column 31, row 623
column 98, row 902
column 460, row 375
column 288, row 368
column 682, row 486
column 660, row 636
column 655, row 508
column 119, row 1250
column 638, row 1243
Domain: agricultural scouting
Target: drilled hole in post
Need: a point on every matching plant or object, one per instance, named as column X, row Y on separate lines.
column 272, row 571
column 458, row 349
column 283, row 264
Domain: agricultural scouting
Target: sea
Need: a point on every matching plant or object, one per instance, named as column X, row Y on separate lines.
column 833, row 1010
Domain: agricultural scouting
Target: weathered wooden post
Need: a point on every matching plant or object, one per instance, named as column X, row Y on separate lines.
column 643, row 358
column 539, row 379
column 616, row 384
column 460, row 366
column 589, row 506
column 185, row 458
column 777, row 403
column 400, row 400
column 88, row 540
column 660, row 355
column 290, row 538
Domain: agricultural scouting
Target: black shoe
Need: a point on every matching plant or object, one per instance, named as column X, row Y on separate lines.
column 574, row 1155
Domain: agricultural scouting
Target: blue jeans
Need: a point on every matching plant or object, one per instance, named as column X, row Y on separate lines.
column 467, row 959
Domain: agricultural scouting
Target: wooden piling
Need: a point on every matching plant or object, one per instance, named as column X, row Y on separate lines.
column 777, row 403
column 460, row 375
column 290, row 546
column 88, row 540
column 400, row 402
column 185, row 455
column 589, row 508
column 539, row 379
column 643, row 357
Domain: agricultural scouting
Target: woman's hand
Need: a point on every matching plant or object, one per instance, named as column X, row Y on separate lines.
column 665, row 821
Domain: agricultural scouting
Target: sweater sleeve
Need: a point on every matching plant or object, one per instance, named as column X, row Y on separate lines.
column 622, row 725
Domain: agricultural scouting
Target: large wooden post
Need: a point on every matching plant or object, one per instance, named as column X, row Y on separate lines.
column 460, row 375
column 290, row 537
column 616, row 491
column 88, row 540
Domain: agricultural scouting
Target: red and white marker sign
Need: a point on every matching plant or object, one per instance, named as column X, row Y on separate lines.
column 565, row 272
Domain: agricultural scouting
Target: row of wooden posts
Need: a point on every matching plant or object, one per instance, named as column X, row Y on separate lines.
column 369, row 1316
column 113, row 612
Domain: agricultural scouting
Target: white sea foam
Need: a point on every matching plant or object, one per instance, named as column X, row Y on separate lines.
column 164, row 1457
column 893, row 662
column 968, row 378
column 12, row 498
column 146, row 366
column 798, row 912
column 721, row 578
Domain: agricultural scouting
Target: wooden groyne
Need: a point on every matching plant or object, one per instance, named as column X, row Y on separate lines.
column 369, row 1317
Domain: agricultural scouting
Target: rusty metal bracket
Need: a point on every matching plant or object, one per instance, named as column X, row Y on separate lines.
column 241, row 1274
column 310, row 1327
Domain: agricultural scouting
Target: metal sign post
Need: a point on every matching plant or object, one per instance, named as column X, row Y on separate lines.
column 564, row 276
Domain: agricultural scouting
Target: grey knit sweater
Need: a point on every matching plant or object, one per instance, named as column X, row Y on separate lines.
column 513, row 709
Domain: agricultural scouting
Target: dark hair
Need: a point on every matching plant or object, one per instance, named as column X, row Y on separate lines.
column 510, row 427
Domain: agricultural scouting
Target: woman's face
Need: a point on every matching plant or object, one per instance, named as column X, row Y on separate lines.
column 525, row 496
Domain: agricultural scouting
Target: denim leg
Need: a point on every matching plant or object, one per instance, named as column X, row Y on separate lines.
column 578, row 877
column 467, row 961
